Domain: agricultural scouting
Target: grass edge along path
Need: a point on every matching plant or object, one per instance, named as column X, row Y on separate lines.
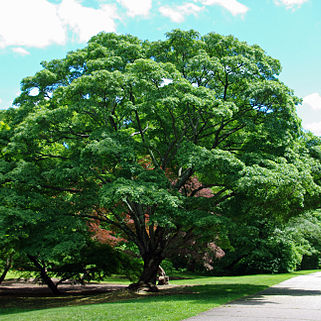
column 189, row 298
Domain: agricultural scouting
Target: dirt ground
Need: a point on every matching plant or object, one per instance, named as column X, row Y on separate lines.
column 23, row 288
column 27, row 295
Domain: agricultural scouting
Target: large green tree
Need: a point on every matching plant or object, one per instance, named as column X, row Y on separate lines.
column 131, row 133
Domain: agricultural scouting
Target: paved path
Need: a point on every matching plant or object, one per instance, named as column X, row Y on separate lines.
column 297, row 299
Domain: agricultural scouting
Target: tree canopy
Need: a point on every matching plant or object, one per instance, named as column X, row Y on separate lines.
column 156, row 140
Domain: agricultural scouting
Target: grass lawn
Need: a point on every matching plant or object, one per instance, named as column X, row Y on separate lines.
column 193, row 296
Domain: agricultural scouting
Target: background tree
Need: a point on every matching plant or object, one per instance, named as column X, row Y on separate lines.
column 278, row 225
column 209, row 108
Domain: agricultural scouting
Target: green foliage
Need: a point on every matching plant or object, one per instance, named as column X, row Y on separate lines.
column 274, row 225
column 120, row 128
column 261, row 245
column 95, row 262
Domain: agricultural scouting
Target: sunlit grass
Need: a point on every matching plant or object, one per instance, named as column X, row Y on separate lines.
column 193, row 296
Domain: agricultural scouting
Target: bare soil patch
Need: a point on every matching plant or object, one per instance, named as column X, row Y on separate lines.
column 27, row 295
column 27, row 288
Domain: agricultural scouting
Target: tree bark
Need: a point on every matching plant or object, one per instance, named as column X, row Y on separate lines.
column 148, row 277
column 6, row 269
column 44, row 276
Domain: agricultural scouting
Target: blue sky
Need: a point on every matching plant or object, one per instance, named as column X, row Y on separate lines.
column 289, row 30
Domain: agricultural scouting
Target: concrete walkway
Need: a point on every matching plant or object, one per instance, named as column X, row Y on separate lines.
column 297, row 299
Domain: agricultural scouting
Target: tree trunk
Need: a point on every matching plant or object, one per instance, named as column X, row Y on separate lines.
column 6, row 269
column 44, row 276
column 148, row 277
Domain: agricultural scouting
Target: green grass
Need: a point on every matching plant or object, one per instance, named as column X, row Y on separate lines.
column 116, row 279
column 194, row 295
column 13, row 275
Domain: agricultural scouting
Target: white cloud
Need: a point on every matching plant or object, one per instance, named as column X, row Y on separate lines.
column 21, row 51
column 34, row 92
column 178, row 13
column 310, row 114
column 166, row 81
column 314, row 127
column 313, row 100
column 86, row 22
column 290, row 4
column 39, row 23
column 233, row 6
column 30, row 23
column 136, row 7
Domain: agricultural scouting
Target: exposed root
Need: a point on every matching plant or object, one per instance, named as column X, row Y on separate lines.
column 143, row 287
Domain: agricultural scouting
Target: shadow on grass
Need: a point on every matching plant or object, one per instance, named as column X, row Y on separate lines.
column 214, row 294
